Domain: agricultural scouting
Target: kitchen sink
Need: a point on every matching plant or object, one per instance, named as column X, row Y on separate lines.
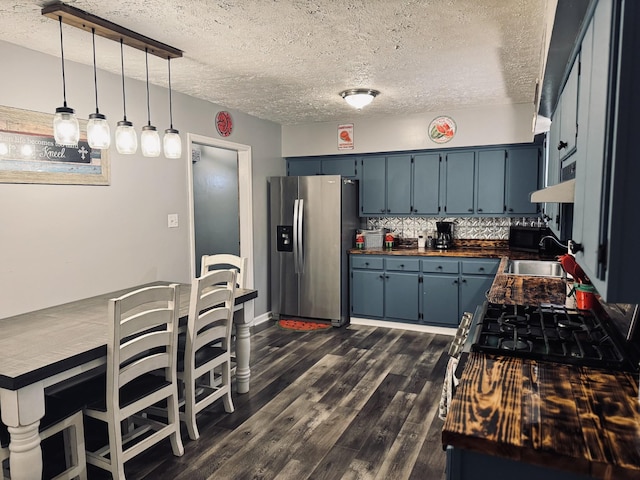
column 534, row 268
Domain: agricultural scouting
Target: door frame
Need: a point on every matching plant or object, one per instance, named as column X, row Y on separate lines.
column 245, row 198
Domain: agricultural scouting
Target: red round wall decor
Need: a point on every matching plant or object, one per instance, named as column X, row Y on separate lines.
column 224, row 124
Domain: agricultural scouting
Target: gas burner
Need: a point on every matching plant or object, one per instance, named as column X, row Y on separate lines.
column 570, row 324
column 513, row 320
column 514, row 345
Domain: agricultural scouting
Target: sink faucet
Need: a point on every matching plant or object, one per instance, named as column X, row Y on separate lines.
column 571, row 246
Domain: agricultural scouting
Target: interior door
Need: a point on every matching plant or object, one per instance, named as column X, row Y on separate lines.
column 215, row 202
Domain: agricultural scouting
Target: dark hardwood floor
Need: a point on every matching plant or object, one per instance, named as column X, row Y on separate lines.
column 349, row 403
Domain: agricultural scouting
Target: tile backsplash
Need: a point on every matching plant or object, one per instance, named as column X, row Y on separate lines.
column 481, row 228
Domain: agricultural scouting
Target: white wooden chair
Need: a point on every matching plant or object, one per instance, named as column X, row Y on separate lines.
column 141, row 372
column 224, row 260
column 59, row 418
column 205, row 368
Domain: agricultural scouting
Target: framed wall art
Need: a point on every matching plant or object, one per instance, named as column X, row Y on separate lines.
column 29, row 153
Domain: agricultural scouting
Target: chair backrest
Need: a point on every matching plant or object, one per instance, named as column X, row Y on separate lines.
column 210, row 311
column 224, row 260
column 143, row 338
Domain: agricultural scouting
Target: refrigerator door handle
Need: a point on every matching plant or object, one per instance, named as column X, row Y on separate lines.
column 295, row 234
column 300, row 236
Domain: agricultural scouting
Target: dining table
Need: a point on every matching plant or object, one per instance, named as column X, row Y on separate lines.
column 43, row 349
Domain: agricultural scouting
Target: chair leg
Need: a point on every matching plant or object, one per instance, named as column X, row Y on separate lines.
column 173, row 418
column 189, row 408
column 115, row 449
column 226, row 382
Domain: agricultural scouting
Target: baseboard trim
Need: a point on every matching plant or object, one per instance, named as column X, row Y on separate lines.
column 404, row 326
column 265, row 317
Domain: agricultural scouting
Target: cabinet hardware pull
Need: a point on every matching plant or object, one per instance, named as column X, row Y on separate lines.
column 562, row 145
column 479, row 209
column 511, row 209
column 455, row 282
column 366, row 264
column 481, row 269
column 471, row 209
column 386, row 276
column 439, row 267
column 381, row 276
column 402, row 265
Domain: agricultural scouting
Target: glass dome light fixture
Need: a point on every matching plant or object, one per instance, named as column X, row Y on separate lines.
column 66, row 129
column 359, row 97
column 149, row 138
column 171, row 141
column 126, row 138
column 98, row 131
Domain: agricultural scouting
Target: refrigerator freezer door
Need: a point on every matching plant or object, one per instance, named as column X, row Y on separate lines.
column 284, row 280
column 320, row 282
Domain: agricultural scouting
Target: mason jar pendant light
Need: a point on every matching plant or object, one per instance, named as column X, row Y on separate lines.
column 149, row 138
column 172, row 142
column 98, row 132
column 66, row 129
column 126, row 138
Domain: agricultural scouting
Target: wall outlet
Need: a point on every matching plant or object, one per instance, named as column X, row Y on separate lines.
column 172, row 220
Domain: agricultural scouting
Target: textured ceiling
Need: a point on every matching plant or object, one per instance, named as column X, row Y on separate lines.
column 287, row 60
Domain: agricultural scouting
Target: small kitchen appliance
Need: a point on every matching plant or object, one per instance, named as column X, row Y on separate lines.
column 444, row 239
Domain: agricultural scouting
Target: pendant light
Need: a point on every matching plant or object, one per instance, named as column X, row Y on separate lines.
column 98, row 132
column 66, row 129
column 149, row 138
column 126, row 138
column 172, row 142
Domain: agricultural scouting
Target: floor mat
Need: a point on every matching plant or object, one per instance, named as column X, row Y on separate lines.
column 303, row 325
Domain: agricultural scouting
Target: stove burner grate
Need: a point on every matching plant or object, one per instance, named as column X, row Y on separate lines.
column 515, row 345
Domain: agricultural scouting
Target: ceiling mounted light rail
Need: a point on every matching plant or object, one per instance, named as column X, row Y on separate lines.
column 85, row 21
column 359, row 97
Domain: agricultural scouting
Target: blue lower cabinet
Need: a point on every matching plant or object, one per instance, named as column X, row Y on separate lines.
column 467, row 465
column 401, row 295
column 367, row 293
column 440, row 299
column 473, row 291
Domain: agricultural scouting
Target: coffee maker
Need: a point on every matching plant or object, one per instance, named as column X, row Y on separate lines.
column 444, row 239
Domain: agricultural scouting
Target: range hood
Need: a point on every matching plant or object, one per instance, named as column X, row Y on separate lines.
column 561, row 193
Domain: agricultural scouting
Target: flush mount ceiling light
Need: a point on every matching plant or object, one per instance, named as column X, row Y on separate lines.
column 66, row 129
column 359, row 97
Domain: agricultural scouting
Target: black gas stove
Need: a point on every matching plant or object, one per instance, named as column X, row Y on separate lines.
column 552, row 333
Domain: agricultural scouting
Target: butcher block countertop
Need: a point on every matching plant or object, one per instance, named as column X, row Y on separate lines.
column 579, row 419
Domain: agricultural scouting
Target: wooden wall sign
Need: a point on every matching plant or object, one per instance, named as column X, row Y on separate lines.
column 29, row 153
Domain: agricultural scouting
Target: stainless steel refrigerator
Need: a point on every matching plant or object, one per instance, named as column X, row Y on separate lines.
column 313, row 224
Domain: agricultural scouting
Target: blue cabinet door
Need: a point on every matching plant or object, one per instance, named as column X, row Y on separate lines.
column 440, row 300
column 303, row 166
column 472, row 292
column 398, row 184
column 401, row 296
column 459, row 183
column 373, row 199
column 490, row 181
column 345, row 167
column 367, row 293
column 522, row 179
column 426, row 184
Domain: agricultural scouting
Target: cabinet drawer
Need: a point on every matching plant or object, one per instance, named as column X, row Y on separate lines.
column 366, row 262
column 440, row 265
column 402, row 264
column 480, row 267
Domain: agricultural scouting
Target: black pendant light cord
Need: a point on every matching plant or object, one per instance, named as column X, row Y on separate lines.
column 170, row 103
column 124, row 103
column 64, row 87
column 95, row 74
column 146, row 61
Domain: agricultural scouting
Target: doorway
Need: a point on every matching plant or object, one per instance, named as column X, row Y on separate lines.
column 220, row 191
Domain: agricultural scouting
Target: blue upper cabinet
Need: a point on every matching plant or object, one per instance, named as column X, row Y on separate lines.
column 426, row 184
column 373, row 198
column 523, row 166
column 490, row 184
column 304, row 166
column 340, row 166
column 398, row 184
column 459, row 183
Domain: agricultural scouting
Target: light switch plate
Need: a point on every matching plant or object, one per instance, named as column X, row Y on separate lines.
column 172, row 220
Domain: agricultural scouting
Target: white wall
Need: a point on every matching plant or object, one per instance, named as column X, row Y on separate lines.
column 59, row 243
column 500, row 124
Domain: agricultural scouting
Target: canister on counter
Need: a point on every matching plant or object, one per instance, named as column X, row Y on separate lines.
column 389, row 240
column 359, row 240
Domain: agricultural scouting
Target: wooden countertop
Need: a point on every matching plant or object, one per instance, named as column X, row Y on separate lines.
column 580, row 419
column 479, row 252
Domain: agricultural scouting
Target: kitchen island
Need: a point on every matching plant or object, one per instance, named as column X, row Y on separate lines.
column 535, row 419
